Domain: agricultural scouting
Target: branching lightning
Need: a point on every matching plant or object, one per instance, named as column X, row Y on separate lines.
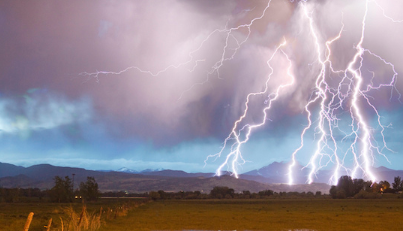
column 329, row 103
column 330, row 100
column 235, row 152
column 361, row 132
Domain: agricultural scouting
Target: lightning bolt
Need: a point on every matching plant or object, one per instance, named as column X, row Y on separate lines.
column 361, row 131
column 235, row 149
column 328, row 100
column 227, row 54
column 331, row 100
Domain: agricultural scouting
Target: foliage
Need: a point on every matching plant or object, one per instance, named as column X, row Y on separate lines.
column 219, row 192
column 89, row 190
column 63, row 190
column 397, row 184
column 347, row 187
column 367, row 195
column 266, row 193
column 163, row 195
column 384, row 185
column 154, row 195
column 20, row 194
column 358, row 188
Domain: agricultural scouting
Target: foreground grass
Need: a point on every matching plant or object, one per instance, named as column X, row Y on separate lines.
column 14, row 215
column 276, row 214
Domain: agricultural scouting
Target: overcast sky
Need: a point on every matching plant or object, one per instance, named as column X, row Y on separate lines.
column 159, row 84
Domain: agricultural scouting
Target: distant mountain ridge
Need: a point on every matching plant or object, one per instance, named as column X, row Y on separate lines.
column 43, row 171
column 128, row 170
column 165, row 172
column 271, row 177
column 278, row 172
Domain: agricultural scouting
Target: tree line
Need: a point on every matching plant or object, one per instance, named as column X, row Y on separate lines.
column 62, row 191
column 223, row 192
column 358, row 188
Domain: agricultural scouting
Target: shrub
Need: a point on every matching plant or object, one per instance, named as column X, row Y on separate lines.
column 341, row 194
column 220, row 192
column 367, row 195
column 154, row 195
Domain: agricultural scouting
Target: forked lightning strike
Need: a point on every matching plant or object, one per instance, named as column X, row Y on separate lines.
column 235, row 152
column 363, row 157
column 331, row 100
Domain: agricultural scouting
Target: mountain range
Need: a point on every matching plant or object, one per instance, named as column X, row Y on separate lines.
column 270, row 177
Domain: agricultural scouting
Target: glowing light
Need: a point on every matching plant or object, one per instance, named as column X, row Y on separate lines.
column 360, row 128
column 235, row 152
column 334, row 91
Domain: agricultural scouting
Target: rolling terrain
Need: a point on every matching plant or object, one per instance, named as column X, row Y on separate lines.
column 269, row 177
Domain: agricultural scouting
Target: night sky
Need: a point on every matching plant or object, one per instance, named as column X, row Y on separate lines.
column 159, row 84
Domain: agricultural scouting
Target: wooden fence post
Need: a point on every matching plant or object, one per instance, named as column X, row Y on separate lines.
column 49, row 224
column 61, row 221
column 28, row 223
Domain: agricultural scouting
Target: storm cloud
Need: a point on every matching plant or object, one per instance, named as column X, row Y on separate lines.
column 164, row 81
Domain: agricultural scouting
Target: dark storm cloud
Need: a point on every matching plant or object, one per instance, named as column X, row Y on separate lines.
column 47, row 44
column 211, row 7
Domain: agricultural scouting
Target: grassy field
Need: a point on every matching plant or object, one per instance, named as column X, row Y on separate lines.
column 14, row 215
column 278, row 214
column 259, row 214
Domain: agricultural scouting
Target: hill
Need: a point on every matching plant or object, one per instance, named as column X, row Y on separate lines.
column 41, row 176
column 270, row 177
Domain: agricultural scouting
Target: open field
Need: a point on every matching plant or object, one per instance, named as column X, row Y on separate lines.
column 251, row 214
column 14, row 215
column 277, row 214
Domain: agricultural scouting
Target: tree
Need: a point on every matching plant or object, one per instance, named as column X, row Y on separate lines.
column 266, row 193
column 397, row 183
column 163, row 195
column 89, row 189
column 221, row 192
column 333, row 191
column 154, row 195
column 347, row 185
column 63, row 190
column 359, row 184
column 384, row 185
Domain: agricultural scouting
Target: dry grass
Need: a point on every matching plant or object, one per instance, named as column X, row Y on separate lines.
column 65, row 217
column 81, row 221
column 287, row 214
column 263, row 214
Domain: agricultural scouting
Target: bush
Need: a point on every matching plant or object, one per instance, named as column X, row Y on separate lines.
column 154, row 195
column 89, row 189
column 389, row 190
column 220, row 192
column 341, row 194
column 367, row 195
column 63, row 190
